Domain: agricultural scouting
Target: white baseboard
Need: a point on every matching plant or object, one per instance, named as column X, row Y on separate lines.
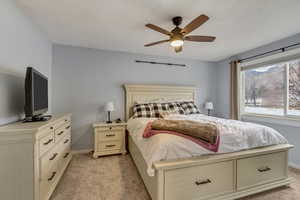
column 81, row 151
column 293, row 165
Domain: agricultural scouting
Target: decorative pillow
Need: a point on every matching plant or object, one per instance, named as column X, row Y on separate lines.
column 158, row 108
column 175, row 107
column 189, row 107
column 142, row 111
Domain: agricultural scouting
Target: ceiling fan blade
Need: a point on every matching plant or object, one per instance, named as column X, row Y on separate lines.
column 178, row 49
column 154, row 43
column 156, row 28
column 195, row 24
column 198, row 38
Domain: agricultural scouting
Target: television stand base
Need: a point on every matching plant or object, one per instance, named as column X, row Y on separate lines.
column 40, row 118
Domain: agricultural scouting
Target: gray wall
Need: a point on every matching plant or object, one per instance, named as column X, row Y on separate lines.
column 223, row 95
column 22, row 44
column 84, row 79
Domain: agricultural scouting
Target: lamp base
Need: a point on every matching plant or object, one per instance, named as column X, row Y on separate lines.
column 208, row 112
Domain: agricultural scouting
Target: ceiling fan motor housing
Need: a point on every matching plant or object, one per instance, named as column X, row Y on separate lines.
column 177, row 20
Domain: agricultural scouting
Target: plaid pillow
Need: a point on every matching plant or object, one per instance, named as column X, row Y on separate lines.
column 142, row 110
column 175, row 107
column 158, row 108
column 189, row 107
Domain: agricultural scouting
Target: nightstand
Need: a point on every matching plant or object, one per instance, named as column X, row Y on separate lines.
column 109, row 139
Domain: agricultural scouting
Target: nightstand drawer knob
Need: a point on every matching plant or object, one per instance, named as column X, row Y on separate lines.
column 110, row 135
column 110, row 128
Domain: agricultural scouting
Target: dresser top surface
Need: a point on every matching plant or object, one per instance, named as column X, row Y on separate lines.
column 31, row 126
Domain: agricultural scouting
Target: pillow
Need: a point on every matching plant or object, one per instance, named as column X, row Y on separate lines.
column 189, row 107
column 158, row 108
column 142, row 111
column 175, row 107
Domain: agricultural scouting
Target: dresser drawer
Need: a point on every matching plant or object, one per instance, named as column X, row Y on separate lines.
column 65, row 157
column 46, row 142
column 49, row 160
column 200, row 181
column 47, row 182
column 65, row 142
column 63, row 121
column 261, row 169
column 61, row 132
column 109, row 145
column 110, row 135
column 110, row 128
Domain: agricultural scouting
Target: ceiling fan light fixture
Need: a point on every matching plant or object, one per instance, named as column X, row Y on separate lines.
column 176, row 43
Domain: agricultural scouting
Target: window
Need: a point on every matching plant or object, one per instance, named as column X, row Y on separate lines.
column 271, row 89
column 294, row 88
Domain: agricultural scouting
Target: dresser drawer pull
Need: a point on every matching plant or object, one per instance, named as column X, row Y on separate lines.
column 68, row 127
column 53, row 157
column 66, row 155
column 110, row 145
column 110, row 135
column 66, row 141
column 52, row 177
column 60, row 133
column 110, row 128
column 265, row 169
column 48, row 142
column 51, row 128
column 203, row 182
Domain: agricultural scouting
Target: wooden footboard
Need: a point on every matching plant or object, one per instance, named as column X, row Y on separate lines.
column 218, row 177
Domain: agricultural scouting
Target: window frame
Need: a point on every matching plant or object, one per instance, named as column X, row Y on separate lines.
column 280, row 58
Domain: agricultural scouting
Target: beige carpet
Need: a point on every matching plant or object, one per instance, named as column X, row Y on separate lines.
column 116, row 178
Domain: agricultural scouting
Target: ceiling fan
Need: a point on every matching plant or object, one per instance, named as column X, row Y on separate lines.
column 179, row 35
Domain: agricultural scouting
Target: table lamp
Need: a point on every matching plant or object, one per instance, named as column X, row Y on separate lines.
column 109, row 107
column 209, row 106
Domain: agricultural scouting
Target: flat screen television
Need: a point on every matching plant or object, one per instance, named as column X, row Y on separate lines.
column 36, row 95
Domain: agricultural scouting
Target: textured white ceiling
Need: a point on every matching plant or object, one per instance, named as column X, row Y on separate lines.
column 239, row 25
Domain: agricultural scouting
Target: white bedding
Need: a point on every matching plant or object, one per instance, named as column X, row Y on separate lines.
column 234, row 136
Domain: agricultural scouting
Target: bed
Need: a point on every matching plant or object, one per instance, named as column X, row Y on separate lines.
column 218, row 176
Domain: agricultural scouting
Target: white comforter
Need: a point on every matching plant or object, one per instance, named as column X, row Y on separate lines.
column 234, row 136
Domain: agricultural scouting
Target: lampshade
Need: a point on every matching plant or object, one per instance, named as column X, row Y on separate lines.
column 209, row 106
column 109, row 106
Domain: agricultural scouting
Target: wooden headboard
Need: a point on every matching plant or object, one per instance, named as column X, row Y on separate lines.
column 138, row 93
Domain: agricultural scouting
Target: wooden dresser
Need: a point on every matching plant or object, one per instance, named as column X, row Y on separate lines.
column 33, row 157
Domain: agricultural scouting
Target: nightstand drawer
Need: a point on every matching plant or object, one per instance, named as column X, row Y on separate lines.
column 110, row 128
column 110, row 135
column 111, row 145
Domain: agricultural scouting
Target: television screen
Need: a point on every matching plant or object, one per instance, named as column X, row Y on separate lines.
column 40, row 92
column 36, row 93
